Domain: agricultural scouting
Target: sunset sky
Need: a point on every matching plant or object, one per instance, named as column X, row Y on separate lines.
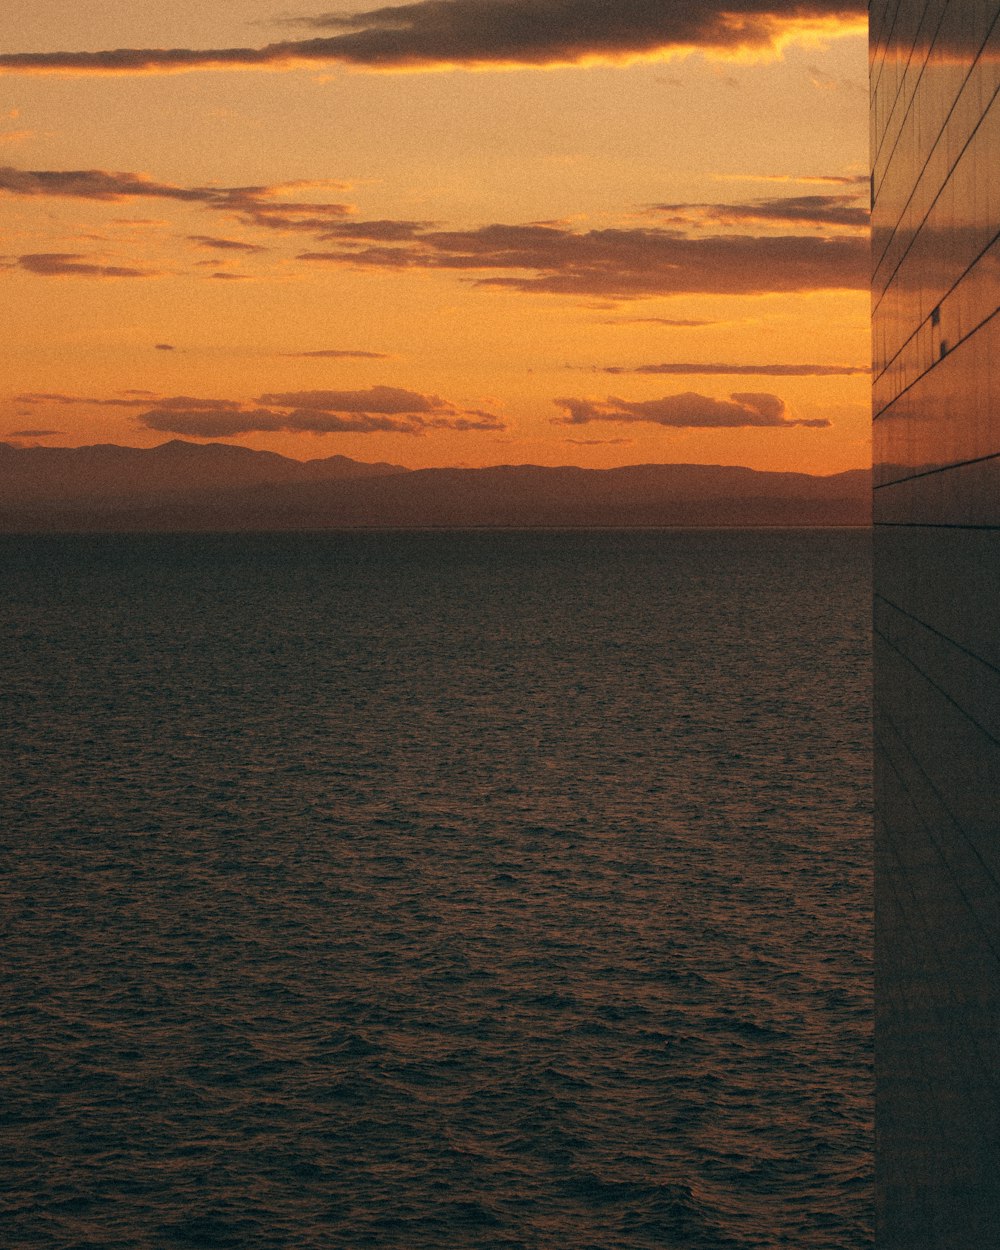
column 456, row 232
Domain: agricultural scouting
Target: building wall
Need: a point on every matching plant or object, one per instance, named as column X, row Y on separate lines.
column 935, row 78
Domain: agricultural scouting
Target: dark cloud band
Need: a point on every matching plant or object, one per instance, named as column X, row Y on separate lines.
column 481, row 33
column 624, row 264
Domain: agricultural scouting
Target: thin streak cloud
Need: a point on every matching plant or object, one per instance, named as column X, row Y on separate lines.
column 796, row 210
column 600, row 442
column 263, row 206
column 75, row 265
column 224, row 245
column 686, row 323
column 774, row 371
column 831, row 180
column 334, row 353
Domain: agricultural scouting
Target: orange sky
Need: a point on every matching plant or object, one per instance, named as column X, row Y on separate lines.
column 605, row 234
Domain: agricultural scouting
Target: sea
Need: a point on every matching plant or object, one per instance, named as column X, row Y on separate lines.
column 436, row 890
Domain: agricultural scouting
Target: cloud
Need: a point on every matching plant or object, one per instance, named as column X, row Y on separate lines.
column 797, row 210
column 135, row 399
column 33, row 433
column 334, row 353
column 183, row 403
column 599, row 442
column 384, row 399
column 207, row 423
column 540, row 257
column 688, row 410
column 833, row 180
column 263, row 206
column 382, row 231
column 74, row 265
column 224, row 245
column 680, row 322
column 625, row 263
column 95, row 184
column 482, row 33
column 165, row 347
column 775, row 371
column 255, row 421
column 379, row 409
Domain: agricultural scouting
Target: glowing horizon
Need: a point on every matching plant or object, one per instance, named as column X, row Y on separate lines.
column 490, row 245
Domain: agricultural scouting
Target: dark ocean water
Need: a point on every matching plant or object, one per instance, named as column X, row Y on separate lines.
column 445, row 891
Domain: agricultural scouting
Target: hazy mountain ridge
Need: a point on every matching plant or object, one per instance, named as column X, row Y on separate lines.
column 192, row 486
column 107, row 472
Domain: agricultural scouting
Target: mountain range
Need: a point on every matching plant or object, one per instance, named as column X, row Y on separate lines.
column 218, row 486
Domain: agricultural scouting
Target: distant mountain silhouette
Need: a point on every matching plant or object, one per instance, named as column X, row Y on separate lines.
column 108, row 474
column 216, row 486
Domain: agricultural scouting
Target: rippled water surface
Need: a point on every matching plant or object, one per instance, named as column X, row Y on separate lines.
column 436, row 891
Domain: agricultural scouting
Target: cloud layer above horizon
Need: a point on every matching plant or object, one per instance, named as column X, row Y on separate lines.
column 377, row 409
column 618, row 263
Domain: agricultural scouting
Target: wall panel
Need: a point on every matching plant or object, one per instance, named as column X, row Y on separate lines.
column 935, row 133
